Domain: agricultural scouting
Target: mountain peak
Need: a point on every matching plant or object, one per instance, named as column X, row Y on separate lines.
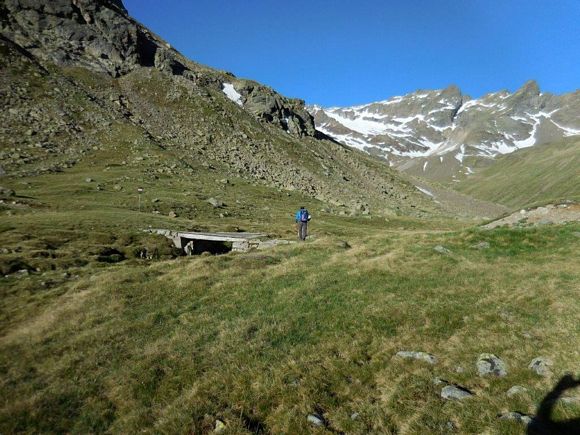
column 530, row 88
column 451, row 91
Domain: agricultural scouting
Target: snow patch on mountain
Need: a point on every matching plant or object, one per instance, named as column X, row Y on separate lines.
column 232, row 94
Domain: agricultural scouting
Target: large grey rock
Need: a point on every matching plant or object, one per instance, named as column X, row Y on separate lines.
column 315, row 419
column 451, row 392
column 516, row 416
column 442, row 250
column 516, row 390
column 541, row 366
column 421, row 356
column 490, row 364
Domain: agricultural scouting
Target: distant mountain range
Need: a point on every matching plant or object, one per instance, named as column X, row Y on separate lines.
column 445, row 133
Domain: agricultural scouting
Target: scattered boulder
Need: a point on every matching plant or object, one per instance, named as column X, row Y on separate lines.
column 421, row 356
column 516, row 416
column 354, row 416
column 489, row 364
column 5, row 192
column 315, row 419
column 89, row 180
column 344, row 244
column 541, row 366
column 516, row 390
column 216, row 203
column 452, row 392
column 172, row 214
column 442, row 250
column 481, row 245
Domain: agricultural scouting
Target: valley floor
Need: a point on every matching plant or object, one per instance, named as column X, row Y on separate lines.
column 259, row 342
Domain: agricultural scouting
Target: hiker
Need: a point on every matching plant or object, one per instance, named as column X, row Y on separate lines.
column 302, row 217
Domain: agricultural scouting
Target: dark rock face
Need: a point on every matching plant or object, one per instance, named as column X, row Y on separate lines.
column 100, row 36
column 97, row 35
column 267, row 105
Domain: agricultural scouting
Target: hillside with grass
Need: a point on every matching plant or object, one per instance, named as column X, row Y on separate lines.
column 542, row 174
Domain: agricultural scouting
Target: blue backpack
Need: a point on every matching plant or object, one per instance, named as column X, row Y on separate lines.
column 303, row 215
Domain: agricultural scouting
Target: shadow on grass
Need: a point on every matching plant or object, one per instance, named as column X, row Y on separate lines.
column 543, row 424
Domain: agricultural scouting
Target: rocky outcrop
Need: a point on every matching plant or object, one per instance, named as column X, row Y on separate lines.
column 102, row 37
column 289, row 114
column 97, row 35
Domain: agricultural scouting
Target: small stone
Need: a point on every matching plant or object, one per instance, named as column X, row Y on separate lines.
column 155, row 200
column 354, row 415
column 4, row 191
column 172, row 214
column 451, row 392
column 516, row 416
column 216, row 203
column 481, row 245
column 220, row 426
column 541, row 366
column 489, row 364
column 421, row 356
column 225, row 181
column 344, row 244
column 516, row 390
column 315, row 419
column 442, row 250
column 89, row 180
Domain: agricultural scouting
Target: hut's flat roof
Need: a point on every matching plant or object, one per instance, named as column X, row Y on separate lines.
column 222, row 237
column 217, row 237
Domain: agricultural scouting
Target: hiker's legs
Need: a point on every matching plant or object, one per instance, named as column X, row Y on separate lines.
column 303, row 230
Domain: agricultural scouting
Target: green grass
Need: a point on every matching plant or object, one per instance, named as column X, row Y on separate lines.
column 260, row 340
column 532, row 176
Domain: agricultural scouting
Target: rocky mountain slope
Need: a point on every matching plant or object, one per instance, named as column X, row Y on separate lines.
column 75, row 72
column 444, row 133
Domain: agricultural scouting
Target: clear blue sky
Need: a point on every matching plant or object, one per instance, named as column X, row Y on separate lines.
column 341, row 52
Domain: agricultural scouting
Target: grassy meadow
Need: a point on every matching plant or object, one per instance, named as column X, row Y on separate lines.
column 261, row 340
